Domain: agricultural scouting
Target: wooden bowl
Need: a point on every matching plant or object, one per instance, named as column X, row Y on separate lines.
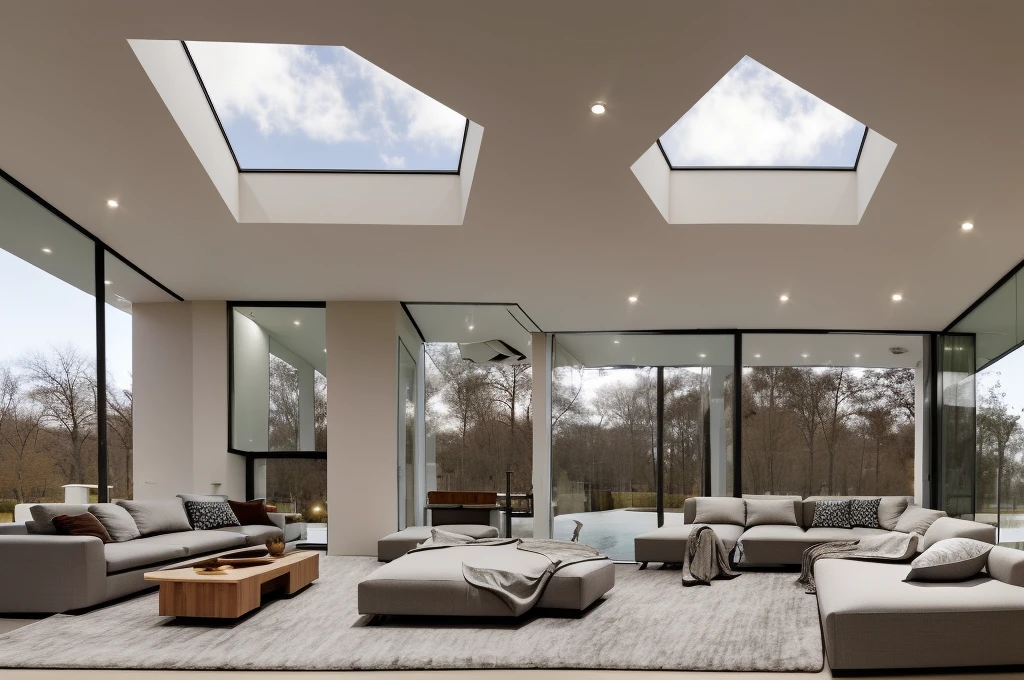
column 275, row 546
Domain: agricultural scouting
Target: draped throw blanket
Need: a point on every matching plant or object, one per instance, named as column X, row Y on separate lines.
column 893, row 546
column 706, row 558
column 521, row 584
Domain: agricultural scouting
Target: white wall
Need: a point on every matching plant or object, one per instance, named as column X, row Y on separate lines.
column 179, row 372
column 251, row 410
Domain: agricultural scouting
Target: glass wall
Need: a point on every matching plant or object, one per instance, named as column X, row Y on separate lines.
column 407, row 505
column 298, row 488
column 606, row 414
column 50, row 406
column 830, row 414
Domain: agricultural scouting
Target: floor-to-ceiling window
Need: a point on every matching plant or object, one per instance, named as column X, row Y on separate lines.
column 279, row 406
column 407, row 477
column 51, row 404
column 610, row 394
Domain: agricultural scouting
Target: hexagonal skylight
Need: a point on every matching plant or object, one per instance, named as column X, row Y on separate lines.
column 320, row 108
column 755, row 118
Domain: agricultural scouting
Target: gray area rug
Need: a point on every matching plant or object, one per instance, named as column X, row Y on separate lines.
column 757, row 622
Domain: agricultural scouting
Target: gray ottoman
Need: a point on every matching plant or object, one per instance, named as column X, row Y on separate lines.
column 431, row 583
column 395, row 545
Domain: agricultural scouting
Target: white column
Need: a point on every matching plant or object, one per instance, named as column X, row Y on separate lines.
column 719, row 460
column 541, row 360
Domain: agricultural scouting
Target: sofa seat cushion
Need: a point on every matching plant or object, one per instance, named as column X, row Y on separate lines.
column 872, row 619
column 204, row 541
column 142, row 552
column 774, row 544
column 393, row 546
column 431, row 583
column 256, row 534
column 667, row 544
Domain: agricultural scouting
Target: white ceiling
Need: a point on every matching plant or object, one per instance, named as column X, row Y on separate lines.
column 556, row 221
column 308, row 339
column 451, row 323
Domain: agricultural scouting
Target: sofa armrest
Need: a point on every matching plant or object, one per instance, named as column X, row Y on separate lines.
column 49, row 574
column 951, row 527
column 1006, row 565
column 13, row 529
column 278, row 519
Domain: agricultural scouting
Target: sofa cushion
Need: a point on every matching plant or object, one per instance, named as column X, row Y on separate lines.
column 951, row 559
column 770, row 544
column 116, row 520
column 256, row 534
column 251, row 512
column 84, row 524
column 761, row 511
column 951, row 527
column 667, row 544
column 720, row 510
column 864, row 512
column 200, row 542
column 917, row 520
column 889, row 510
column 202, row 497
column 141, row 552
column 210, row 514
column 832, row 514
column 157, row 517
column 471, row 530
column 872, row 619
column 43, row 514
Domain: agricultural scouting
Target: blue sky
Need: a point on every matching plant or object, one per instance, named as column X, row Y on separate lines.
column 755, row 117
column 39, row 311
column 316, row 108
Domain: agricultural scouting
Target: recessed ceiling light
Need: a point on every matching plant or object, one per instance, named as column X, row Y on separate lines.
column 633, row 299
column 297, row 322
column 107, row 283
column 757, row 356
column 111, row 203
column 967, row 226
column 598, row 108
column 856, row 356
column 325, row 350
column 703, row 356
column 783, row 298
column 471, row 326
column 805, row 355
column 896, row 297
column 47, row 251
column 615, row 341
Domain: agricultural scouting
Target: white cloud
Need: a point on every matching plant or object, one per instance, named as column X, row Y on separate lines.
column 393, row 161
column 327, row 94
column 755, row 117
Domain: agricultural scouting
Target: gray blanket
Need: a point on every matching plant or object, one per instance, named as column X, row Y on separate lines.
column 892, row 546
column 706, row 558
column 520, row 587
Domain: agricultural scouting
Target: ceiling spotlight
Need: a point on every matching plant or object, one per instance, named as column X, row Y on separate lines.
column 471, row 326
column 856, row 356
column 47, row 251
column 805, row 355
column 107, row 283
column 783, row 298
column 325, row 350
column 757, row 356
column 896, row 297
column 297, row 322
column 615, row 341
column 967, row 226
column 598, row 108
column 111, row 203
column 633, row 299
column 703, row 356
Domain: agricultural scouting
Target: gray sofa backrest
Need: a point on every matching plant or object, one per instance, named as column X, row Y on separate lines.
column 951, row 527
column 689, row 510
column 690, row 505
column 1006, row 565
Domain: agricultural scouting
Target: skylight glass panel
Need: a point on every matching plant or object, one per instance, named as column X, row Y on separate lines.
column 755, row 118
column 303, row 107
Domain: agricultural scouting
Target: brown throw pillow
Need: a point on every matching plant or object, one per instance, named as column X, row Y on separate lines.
column 85, row 524
column 251, row 512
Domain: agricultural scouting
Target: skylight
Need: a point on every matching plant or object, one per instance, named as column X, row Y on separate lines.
column 755, row 118
column 318, row 108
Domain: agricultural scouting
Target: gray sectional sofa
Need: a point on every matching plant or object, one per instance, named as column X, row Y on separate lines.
column 43, row 572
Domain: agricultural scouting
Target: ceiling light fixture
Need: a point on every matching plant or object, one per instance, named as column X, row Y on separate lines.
column 757, row 356
column 896, row 297
column 703, row 356
column 783, row 298
column 967, row 226
column 107, row 283
column 111, row 203
column 297, row 322
column 598, row 108
column 856, row 356
column 805, row 355
column 615, row 341
column 471, row 326
column 633, row 299
column 47, row 251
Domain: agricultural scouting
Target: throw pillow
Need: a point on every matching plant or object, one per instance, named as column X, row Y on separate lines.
column 204, row 515
column 831, row 514
column 439, row 537
column 202, row 497
column 951, row 559
column 889, row 511
column 779, row 512
column 721, row 510
column 864, row 513
column 80, row 525
column 916, row 520
column 157, row 517
column 251, row 513
column 119, row 524
column 43, row 514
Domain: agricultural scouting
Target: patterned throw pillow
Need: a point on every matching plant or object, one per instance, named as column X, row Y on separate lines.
column 831, row 514
column 864, row 513
column 210, row 514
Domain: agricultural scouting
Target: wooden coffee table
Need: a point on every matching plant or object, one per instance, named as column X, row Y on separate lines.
column 183, row 592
